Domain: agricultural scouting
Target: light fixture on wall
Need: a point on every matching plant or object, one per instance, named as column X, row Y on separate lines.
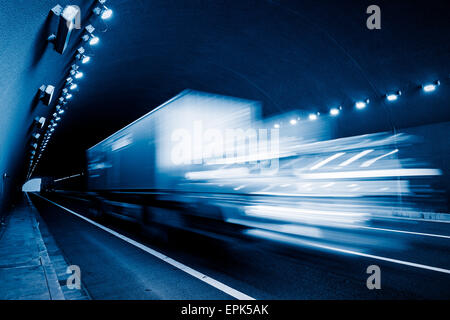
column 40, row 121
column 78, row 75
column 82, row 56
column 103, row 11
column 46, row 94
column 89, row 35
column 69, row 18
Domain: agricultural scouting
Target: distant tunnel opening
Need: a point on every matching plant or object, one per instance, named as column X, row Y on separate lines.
column 33, row 185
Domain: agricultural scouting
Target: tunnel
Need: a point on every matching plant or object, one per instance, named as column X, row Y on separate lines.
column 224, row 150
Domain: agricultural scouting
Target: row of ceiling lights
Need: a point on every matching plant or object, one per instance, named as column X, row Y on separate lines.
column 67, row 92
column 362, row 104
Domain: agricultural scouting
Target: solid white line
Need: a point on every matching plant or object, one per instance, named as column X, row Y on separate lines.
column 279, row 237
column 200, row 276
column 409, row 219
column 407, row 232
column 69, row 177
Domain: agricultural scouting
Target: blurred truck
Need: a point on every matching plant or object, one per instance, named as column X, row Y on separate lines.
column 142, row 172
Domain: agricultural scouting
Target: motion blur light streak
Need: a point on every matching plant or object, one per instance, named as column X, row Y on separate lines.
column 289, row 214
column 354, row 158
column 218, row 174
column 244, row 159
column 122, row 143
column 372, row 174
column 368, row 163
column 324, row 162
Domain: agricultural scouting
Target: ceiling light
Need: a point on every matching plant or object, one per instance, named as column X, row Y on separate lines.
column 103, row 11
column 334, row 112
column 361, row 104
column 312, row 117
column 430, row 87
column 89, row 36
column 393, row 96
column 94, row 40
column 107, row 13
column 85, row 59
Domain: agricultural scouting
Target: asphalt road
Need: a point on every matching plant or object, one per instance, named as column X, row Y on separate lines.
column 414, row 265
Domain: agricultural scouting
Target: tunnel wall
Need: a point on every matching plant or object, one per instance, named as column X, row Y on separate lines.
column 27, row 61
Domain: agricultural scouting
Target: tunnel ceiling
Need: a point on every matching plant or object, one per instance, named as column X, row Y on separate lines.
column 290, row 55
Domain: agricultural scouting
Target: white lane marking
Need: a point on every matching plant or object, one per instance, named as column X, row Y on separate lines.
column 279, row 237
column 407, row 232
column 216, row 284
column 409, row 219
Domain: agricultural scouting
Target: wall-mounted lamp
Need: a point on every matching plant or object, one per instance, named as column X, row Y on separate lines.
column 103, row 11
column 46, row 94
column 89, row 35
column 40, row 121
column 69, row 18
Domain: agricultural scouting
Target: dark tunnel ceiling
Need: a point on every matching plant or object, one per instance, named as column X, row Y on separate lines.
column 289, row 55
